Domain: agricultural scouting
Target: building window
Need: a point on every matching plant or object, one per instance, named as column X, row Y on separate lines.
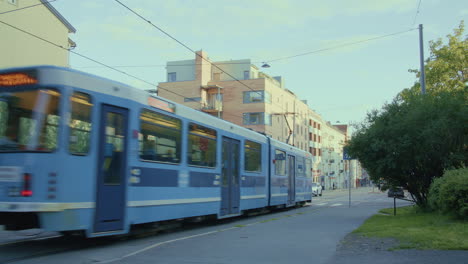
column 246, row 75
column 257, row 97
column 257, row 119
column 192, row 99
column 171, row 77
column 253, row 156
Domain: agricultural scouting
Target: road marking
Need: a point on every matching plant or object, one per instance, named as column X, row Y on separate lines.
column 162, row 243
column 202, row 234
column 337, row 204
column 322, row 204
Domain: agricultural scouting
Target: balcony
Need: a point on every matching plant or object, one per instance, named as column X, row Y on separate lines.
column 214, row 99
column 213, row 106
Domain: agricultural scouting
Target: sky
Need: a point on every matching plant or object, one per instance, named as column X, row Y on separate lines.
column 341, row 83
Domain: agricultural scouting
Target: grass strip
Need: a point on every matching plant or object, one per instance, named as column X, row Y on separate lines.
column 417, row 229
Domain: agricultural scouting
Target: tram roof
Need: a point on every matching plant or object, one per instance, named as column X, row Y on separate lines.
column 48, row 75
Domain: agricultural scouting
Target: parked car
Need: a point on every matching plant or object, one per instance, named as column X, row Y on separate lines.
column 316, row 189
column 396, row 192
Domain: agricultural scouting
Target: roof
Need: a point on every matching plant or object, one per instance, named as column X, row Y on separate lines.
column 54, row 11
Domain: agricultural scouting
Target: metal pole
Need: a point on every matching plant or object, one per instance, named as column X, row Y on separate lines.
column 422, row 79
column 349, row 184
column 218, row 103
column 294, row 123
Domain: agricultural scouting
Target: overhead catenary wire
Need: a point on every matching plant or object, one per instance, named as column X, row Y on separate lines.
column 283, row 58
column 96, row 61
column 152, row 84
column 417, row 13
column 76, row 53
column 341, row 45
column 193, row 51
column 187, row 47
column 165, row 65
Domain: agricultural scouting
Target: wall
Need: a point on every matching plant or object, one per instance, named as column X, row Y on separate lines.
column 20, row 49
column 235, row 68
column 185, row 70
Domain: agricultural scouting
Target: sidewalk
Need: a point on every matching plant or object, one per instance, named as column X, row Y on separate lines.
column 356, row 249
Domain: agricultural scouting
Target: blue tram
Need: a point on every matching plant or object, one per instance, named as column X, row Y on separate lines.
column 83, row 153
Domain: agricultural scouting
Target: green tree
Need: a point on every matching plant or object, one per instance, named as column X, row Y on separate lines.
column 447, row 66
column 411, row 141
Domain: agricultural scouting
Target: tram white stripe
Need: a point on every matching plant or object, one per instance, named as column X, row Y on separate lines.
column 279, row 194
column 43, row 207
column 253, row 196
column 173, row 201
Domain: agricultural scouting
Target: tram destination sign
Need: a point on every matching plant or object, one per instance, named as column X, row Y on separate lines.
column 16, row 78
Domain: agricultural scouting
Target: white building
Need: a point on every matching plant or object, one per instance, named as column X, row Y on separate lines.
column 333, row 168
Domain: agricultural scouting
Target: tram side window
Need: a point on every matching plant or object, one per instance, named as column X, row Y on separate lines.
column 201, row 146
column 3, row 118
column 160, row 137
column 80, row 123
column 253, row 156
column 280, row 162
column 29, row 120
column 308, row 168
column 300, row 166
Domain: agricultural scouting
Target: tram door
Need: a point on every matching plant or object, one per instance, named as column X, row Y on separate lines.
column 291, row 180
column 111, row 180
column 230, row 186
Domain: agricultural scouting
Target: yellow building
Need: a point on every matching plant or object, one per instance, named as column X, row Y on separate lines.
column 239, row 92
column 39, row 18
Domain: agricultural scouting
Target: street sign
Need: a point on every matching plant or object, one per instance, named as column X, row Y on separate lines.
column 346, row 155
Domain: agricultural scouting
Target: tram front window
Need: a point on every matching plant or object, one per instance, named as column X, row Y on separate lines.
column 29, row 120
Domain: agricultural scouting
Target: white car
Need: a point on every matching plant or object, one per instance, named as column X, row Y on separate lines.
column 316, row 189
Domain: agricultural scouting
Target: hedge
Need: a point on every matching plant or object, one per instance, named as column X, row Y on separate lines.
column 449, row 194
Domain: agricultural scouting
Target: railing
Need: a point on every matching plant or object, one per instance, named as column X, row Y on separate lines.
column 215, row 105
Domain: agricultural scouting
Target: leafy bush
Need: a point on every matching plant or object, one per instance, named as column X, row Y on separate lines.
column 434, row 194
column 449, row 194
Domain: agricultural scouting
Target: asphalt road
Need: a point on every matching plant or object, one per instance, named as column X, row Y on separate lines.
column 310, row 234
